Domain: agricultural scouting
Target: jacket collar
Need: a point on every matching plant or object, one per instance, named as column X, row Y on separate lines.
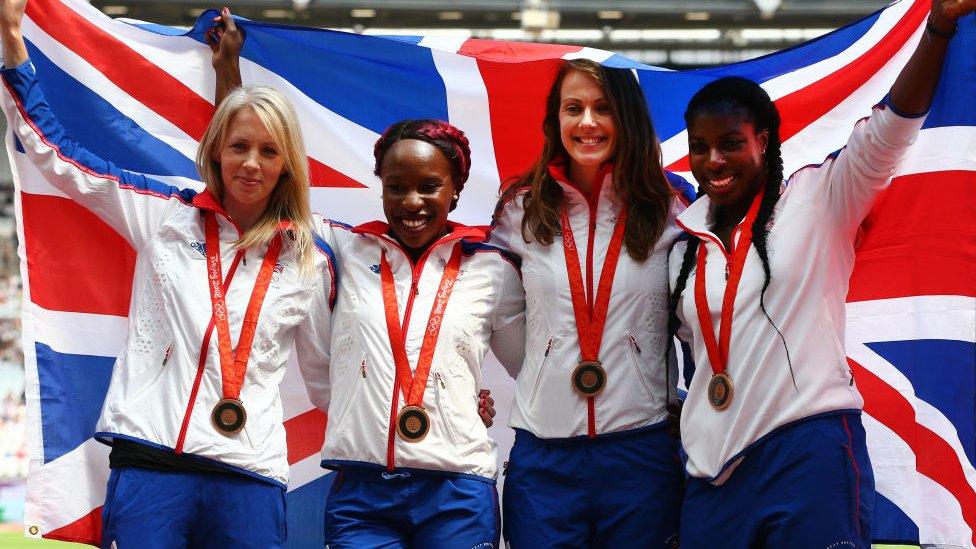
column 559, row 171
column 207, row 202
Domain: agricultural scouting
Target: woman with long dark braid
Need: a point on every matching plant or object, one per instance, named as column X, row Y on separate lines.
column 771, row 426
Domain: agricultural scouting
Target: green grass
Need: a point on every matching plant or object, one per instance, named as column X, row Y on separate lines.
column 16, row 540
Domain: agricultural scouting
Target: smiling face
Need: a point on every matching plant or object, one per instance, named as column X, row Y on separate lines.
column 587, row 127
column 726, row 156
column 418, row 189
column 250, row 166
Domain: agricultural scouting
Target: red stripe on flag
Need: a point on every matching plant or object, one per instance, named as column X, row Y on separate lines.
column 517, row 77
column 919, row 239
column 87, row 529
column 130, row 71
column 66, row 269
column 807, row 104
column 514, row 52
column 321, row 175
column 153, row 87
column 517, row 97
column 305, row 434
column 934, row 457
column 804, row 106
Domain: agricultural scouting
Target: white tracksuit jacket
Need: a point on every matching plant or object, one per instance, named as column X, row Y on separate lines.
column 634, row 341
column 811, row 252
column 486, row 309
column 160, row 394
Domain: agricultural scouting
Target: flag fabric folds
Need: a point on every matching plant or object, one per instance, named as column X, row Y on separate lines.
column 141, row 94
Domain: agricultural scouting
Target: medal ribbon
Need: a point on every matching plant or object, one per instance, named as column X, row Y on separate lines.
column 233, row 365
column 414, row 385
column 591, row 320
column 718, row 353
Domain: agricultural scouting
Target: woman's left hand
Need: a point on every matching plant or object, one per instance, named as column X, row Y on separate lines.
column 945, row 13
column 486, row 407
column 952, row 9
column 11, row 16
column 225, row 39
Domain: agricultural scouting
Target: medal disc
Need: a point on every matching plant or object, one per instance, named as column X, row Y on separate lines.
column 413, row 423
column 720, row 391
column 228, row 416
column 589, row 378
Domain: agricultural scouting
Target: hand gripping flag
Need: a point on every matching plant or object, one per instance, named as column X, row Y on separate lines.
column 140, row 95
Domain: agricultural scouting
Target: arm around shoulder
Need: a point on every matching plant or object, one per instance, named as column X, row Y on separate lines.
column 508, row 320
column 313, row 338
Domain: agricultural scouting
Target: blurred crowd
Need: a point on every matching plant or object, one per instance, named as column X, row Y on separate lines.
column 13, row 440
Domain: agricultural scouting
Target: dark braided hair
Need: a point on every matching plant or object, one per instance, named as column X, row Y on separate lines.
column 445, row 137
column 743, row 97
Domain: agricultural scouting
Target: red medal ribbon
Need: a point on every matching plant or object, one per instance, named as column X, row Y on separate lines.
column 590, row 320
column 413, row 385
column 718, row 352
column 233, row 365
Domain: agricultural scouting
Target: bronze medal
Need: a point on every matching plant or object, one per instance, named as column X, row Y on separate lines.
column 589, row 378
column 413, row 423
column 720, row 391
column 228, row 416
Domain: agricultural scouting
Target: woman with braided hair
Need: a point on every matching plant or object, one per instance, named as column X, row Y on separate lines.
column 420, row 301
column 771, row 426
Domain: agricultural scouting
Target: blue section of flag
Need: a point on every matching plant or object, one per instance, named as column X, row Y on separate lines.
column 897, row 528
column 618, row 61
column 953, row 102
column 347, row 70
column 162, row 29
column 72, row 389
column 99, row 127
column 403, row 38
column 942, row 374
column 667, row 93
column 306, row 513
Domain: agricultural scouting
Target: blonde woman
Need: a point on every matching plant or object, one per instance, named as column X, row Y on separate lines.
column 225, row 280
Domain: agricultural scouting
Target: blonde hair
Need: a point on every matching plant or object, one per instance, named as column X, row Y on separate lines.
column 290, row 198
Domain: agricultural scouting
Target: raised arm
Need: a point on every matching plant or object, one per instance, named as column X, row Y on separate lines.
column 11, row 16
column 225, row 40
column 913, row 90
column 879, row 144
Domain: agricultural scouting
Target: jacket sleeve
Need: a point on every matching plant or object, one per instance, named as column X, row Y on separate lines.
column 846, row 185
column 314, row 334
column 508, row 319
column 506, row 227
column 131, row 203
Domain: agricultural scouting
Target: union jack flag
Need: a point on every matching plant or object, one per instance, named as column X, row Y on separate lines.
column 140, row 95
